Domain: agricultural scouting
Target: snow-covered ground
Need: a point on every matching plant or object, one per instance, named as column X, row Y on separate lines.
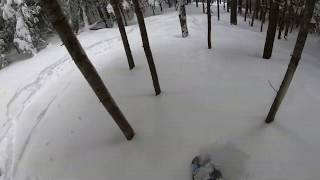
column 214, row 101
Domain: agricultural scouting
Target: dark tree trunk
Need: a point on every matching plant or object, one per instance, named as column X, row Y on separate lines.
column 183, row 18
column 263, row 12
column 257, row 9
column 228, row 5
column 288, row 20
column 218, row 8
column 224, row 4
column 282, row 20
column 146, row 47
column 203, row 10
column 123, row 33
column 250, row 6
column 246, row 11
column 272, row 29
column 233, row 15
column 60, row 23
column 209, row 23
column 197, row 3
column 295, row 58
column 240, row 7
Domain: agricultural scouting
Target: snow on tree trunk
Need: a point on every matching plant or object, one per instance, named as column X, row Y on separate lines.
column 272, row 29
column 295, row 58
column 146, row 47
column 123, row 33
column 183, row 18
column 60, row 23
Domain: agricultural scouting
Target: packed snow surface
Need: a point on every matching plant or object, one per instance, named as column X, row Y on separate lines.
column 214, row 101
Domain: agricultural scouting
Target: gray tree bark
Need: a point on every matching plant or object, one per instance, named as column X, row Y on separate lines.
column 60, row 23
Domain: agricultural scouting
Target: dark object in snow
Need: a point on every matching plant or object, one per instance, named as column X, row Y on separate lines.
column 203, row 169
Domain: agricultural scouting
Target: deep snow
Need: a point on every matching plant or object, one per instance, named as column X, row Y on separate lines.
column 213, row 101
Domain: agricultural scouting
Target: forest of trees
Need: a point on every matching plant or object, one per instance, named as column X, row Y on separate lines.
column 24, row 27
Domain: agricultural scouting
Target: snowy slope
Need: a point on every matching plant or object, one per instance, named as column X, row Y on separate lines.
column 213, row 101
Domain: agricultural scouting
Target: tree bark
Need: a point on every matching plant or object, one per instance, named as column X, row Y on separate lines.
column 197, row 3
column 146, row 47
column 183, row 18
column 123, row 33
column 203, row 10
column 240, row 7
column 60, row 23
column 209, row 23
column 233, row 15
column 272, row 29
column 246, row 11
column 218, row 12
column 282, row 20
column 295, row 59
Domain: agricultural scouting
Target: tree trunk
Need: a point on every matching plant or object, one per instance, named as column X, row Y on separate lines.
column 146, row 46
column 60, row 23
column 224, row 4
column 197, row 3
column 123, row 16
column 240, row 7
column 183, row 18
column 203, row 10
column 257, row 9
column 250, row 6
column 123, row 33
column 209, row 23
column 246, row 11
column 228, row 5
column 233, row 16
column 295, row 58
column 218, row 12
column 272, row 29
column 282, row 20
column 263, row 12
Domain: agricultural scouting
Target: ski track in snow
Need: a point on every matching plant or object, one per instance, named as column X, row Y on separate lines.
column 22, row 98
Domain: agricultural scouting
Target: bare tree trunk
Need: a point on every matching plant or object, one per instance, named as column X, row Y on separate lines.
column 123, row 33
column 123, row 16
column 197, row 3
column 295, row 59
column 203, row 10
column 250, row 6
column 60, row 23
column 183, row 18
column 282, row 20
column 209, row 23
column 272, row 29
column 218, row 8
column 233, row 15
column 224, row 4
column 246, row 11
column 240, row 7
column 146, row 47
column 228, row 5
